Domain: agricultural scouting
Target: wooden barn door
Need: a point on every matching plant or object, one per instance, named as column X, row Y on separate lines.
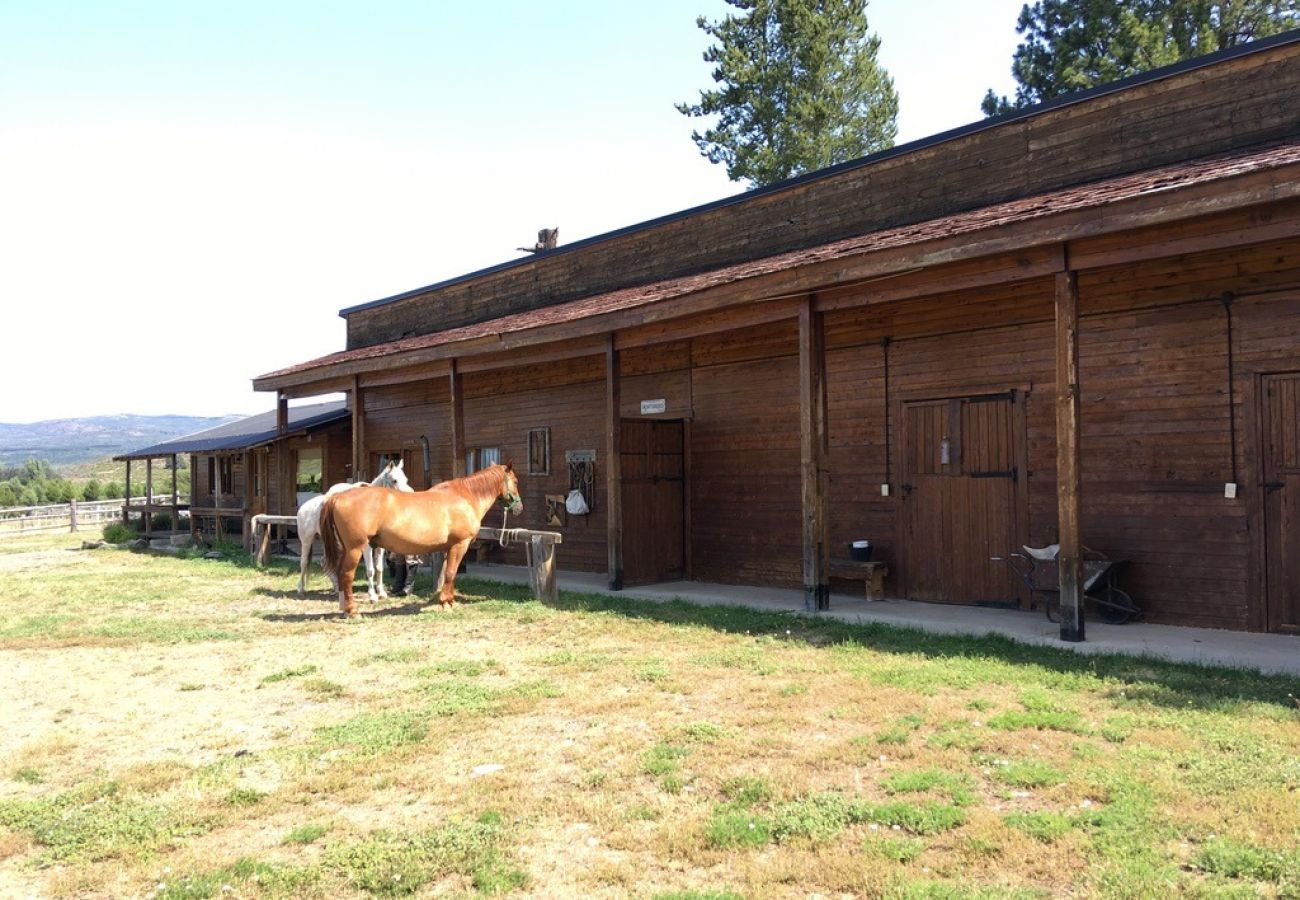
column 654, row 531
column 1281, row 487
column 961, row 503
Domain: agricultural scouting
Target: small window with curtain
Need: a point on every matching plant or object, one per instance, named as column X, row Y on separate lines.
column 481, row 458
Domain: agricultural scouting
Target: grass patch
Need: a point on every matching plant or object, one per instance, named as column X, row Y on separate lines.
column 901, row 850
column 1233, row 859
column 306, row 834
column 95, row 823
column 1029, row 773
column 1044, row 826
column 262, row 878
column 286, row 674
column 464, row 668
column 663, row 759
column 393, row 864
column 1039, row 720
column 323, row 687
column 395, row 655
column 731, row 828
column 28, row 775
column 244, row 797
column 377, row 732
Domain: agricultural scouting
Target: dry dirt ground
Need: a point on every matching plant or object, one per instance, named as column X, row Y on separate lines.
column 189, row 728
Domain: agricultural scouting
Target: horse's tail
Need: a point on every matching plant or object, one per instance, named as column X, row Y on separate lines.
column 329, row 536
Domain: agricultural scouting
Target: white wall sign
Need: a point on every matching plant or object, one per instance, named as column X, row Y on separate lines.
column 650, row 407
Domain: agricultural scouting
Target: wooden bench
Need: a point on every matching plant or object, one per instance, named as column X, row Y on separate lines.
column 873, row 573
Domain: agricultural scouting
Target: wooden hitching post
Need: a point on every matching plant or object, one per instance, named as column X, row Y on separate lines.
column 812, row 457
column 613, row 468
column 1068, row 475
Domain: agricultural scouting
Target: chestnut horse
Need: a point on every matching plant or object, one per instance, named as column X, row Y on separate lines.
column 445, row 517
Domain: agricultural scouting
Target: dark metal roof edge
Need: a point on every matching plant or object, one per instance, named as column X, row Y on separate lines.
column 188, row 444
column 1187, row 65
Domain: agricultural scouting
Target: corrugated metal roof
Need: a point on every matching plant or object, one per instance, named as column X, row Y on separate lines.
column 1081, row 197
column 245, row 433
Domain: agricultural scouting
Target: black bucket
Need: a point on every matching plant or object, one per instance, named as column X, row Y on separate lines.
column 860, row 551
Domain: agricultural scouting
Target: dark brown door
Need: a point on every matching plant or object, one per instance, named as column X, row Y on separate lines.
column 960, row 498
column 1282, row 500
column 653, row 473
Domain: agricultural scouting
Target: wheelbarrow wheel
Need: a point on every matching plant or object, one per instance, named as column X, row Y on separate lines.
column 1114, row 607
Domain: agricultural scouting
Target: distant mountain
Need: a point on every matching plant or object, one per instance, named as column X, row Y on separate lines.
column 68, row 441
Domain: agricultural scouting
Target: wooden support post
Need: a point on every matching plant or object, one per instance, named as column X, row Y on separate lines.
column 72, row 513
column 358, row 431
column 176, row 512
column 1068, row 475
column 613, row 467
column 194, row 487
column 126, row 504
column 148, row 497
column 457, row 422
column 812, row 458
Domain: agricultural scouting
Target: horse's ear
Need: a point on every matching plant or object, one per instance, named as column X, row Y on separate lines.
column 510, row 467
column 398, row 464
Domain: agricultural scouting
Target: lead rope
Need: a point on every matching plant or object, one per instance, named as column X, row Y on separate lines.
column 514, row 534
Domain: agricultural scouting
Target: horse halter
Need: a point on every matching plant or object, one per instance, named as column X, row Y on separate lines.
column 510, row 500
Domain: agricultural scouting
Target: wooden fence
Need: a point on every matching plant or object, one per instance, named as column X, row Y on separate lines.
column 59, row 516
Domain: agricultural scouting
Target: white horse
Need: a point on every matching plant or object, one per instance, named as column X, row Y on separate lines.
column 309, row 526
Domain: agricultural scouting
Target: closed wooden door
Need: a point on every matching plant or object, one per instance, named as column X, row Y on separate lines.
column 1281, row 488
column 653, row 472
column 960, row 500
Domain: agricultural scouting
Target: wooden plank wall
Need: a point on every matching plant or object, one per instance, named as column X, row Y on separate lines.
column 1156, row 437
column 1155, row 411
column 1237, row 103
column 396, row 416
column 744, row 457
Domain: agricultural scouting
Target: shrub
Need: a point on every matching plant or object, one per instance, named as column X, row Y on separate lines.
column 118, row 533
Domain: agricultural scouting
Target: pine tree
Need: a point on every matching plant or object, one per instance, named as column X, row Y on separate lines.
column 799, row 89
column 1072, row 45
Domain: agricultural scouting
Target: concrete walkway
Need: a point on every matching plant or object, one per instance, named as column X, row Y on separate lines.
column 1262, row 652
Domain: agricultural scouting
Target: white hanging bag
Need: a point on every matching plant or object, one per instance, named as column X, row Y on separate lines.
column 576, row 504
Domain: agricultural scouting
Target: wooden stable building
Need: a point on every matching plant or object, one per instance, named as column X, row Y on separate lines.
column 258, row 464
column 1076, row 323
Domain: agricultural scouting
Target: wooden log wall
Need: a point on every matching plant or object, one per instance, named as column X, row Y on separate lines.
column 1236, row 103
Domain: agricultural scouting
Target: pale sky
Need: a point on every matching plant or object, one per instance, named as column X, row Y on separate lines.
column 190, row 193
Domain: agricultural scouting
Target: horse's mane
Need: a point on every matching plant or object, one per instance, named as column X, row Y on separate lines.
column 484, row 481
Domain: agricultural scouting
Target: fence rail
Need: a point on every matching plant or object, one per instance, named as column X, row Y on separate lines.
column 59, row 516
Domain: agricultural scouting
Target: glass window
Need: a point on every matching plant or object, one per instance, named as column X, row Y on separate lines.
column 309, row 470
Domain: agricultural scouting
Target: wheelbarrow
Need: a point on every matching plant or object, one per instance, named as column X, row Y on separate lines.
column 1038, row 569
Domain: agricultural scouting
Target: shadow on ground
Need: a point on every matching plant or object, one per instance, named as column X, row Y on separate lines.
column 1164, row 683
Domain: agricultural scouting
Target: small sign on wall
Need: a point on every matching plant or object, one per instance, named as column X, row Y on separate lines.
column 653, row 407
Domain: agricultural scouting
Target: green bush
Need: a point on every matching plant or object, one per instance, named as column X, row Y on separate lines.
column 118, row 533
